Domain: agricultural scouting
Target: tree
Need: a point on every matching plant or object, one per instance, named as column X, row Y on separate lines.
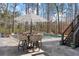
column 37, row 8
column 48, row 17
column 57, row 10
column 4, row 14
column 27, row 6
column 26, row 11
column 61, row 8
column 76, row 8
column 14, row 8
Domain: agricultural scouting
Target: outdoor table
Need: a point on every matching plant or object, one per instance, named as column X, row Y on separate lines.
column 23, row 37
column 28, row 43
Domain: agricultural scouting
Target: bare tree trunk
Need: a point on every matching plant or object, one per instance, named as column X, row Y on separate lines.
column 75, row 10
column 14, row 8
column 58, row 19
column 8, row 22
column 43, row 10
column 37, row 8
column 28, row 8
column 61, row 22
column 48, row 18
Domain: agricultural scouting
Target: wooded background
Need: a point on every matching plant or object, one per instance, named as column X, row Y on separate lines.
column 58, row 15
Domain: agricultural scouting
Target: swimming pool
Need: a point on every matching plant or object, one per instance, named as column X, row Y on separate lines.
column 48, row 35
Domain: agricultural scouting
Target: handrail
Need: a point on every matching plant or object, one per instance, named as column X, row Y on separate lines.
column 70, row 28
column 67, row 28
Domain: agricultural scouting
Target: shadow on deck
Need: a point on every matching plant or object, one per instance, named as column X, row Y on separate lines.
column 13, row 51
column 50, row 48
column 10, row 51
column 53, row 48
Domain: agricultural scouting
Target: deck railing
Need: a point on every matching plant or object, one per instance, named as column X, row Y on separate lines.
column 70, row 29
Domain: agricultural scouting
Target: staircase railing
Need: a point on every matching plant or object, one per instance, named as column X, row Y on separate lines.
column 71, row 28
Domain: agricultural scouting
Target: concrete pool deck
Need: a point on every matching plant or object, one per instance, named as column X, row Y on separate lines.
column 8, row 47
column 53, row 48
column 50, row 47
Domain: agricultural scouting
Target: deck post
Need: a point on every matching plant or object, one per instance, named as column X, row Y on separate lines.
column 62, row 41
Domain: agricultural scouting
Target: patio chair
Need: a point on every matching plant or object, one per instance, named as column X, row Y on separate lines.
column 22, row 41
column 36, row 41
column 39, row 40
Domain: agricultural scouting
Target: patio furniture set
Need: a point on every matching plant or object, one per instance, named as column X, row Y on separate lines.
column 29, row 41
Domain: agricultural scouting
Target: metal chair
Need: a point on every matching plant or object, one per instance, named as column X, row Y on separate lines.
column 22, row 41
column 36, row 41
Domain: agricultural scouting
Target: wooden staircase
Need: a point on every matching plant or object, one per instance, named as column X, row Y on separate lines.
column 69, row 38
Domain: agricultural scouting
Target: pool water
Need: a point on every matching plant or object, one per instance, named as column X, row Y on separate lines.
column 50, row 38
column 47, row 35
